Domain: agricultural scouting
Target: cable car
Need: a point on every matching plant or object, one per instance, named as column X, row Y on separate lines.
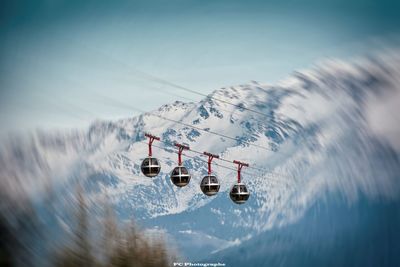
column 180, row 175
column 210, row 185
column 239, row 193
column 151, row 167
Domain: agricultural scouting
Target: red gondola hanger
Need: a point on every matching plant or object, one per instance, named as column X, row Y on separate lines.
column 240, row 166
column 150, row 166
column 239, row 193
column 210, row 158
column 210, row 185
column 180, row 175
column 180, row 150
column 151, row 140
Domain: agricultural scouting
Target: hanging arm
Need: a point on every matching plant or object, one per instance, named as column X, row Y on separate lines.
column 151, row 140
column 180, row 150
column 210, row 158
column 240, row 166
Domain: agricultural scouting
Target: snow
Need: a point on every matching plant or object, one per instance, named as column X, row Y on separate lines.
column 324, row 130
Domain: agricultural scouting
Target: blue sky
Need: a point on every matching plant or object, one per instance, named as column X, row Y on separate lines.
column 60, row 59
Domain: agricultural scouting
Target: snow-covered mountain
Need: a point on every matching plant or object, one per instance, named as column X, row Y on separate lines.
column 330, row 130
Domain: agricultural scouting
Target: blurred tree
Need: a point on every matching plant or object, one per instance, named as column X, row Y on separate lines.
column 115, row 246
column 79, row 253
column 19, row 228
column 6, row 242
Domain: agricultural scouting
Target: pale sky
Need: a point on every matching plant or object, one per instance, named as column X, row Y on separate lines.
column 59, row 60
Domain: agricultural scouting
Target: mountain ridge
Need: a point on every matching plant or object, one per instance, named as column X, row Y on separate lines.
column 314, row 124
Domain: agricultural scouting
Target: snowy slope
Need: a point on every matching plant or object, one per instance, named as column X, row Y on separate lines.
column 327, row 130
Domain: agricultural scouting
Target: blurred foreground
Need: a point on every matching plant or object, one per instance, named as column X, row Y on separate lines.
column 90, row 241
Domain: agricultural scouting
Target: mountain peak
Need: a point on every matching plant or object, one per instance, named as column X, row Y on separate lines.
column 320, row 131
